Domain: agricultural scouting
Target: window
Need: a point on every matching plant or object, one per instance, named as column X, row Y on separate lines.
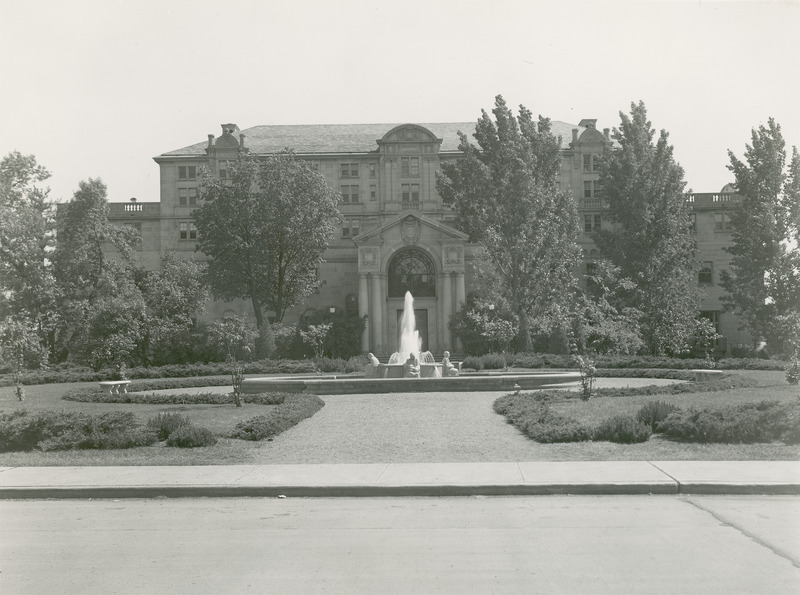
column 592, row 222
column 349, row 170
column 188, row 231
column 588, row 189
column 722, row 222
column 409, row 167
column 351, row 228
column 591, row 162
column 223, row 174
column 187, row 196
column 373, row 192
column 350, row 193
column 693, row 221
column 346, row 229
column 187, row 172
column 706, row 274
column 591, row 268
column 372, row 170
column 412, row 270
column 410, row 192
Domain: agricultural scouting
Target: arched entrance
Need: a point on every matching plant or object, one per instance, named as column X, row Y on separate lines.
column 412, row 269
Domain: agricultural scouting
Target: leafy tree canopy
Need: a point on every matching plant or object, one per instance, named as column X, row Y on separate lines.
column 504, row 193
column 265, row 232
column 764, row 278
column 651, row 241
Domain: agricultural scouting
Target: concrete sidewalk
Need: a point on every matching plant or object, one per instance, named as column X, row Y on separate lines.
column 402, row 479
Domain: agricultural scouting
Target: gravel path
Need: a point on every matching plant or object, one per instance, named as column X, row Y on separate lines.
column 409, row 428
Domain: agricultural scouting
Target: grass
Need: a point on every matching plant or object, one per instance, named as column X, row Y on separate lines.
column 222, row 419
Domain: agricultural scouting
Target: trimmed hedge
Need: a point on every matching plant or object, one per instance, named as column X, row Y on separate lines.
column 190, row 436
column 766, row 421
column 62, row 430
column 654, row 412
column 622, row 429
column 294, row 409
column 101, row 396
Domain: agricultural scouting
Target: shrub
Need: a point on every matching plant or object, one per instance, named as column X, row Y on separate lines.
column 100, row 396
column 61, row 430
column 164, row 424
column 793, row 371
column 748, row 423
column 654, row 412
column 189, row 436
column 531, row 415
column 622, row 429
column 557, row 428
column 294, row 409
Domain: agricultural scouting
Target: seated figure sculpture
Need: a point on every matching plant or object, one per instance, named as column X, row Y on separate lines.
column 371, row 369
column 448, row 369
column 411, row 367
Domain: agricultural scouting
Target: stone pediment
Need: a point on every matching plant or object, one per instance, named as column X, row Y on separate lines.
column 410, row 229
column 409, row 133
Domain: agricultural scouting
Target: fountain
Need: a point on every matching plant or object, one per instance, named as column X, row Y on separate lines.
column 388, row 378
column 410, row 343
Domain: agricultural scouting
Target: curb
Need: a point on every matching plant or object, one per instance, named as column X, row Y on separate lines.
column 89, row 492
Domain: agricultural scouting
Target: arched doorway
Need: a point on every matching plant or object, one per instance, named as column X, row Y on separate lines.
column 412, row 269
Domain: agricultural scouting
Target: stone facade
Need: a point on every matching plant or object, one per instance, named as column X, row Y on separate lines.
column 396, row 229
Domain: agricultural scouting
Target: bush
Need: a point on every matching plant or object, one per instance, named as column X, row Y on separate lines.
column 61, row 430
column 531, row 415
column 189, row 436
column 793, row 371
column 622, row 429
column 749, row 423
column 294, row 409
column 100, row 396
column 654, row 412
column 164, row 424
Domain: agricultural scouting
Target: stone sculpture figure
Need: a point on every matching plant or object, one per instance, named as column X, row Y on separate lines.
column 371, row 369
column 448, row 369
column 411, row 367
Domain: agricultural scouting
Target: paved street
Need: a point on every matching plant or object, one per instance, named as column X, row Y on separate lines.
column 577, row 544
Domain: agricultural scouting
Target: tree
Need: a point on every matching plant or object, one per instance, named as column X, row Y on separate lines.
column 763, row 282
column 265, row 232
column 19, row 344
column 27, row 233
column 173, row 295
column 505, row 197
column 91, row 287
column 652, row 241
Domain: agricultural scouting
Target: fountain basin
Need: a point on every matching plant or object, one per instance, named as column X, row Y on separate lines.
column 357, row 385
column 397, row 371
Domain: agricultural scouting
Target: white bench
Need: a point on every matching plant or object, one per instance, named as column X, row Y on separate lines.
column 114, row 385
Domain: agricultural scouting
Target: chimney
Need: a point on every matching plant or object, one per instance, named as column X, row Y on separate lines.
column 241, row 141
column 607, row 133
column 210, row 140
column 229, row 128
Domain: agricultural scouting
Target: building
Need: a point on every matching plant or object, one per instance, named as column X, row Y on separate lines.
column 397, row 234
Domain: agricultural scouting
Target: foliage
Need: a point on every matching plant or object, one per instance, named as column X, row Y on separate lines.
column 705, row 339
column 191, row 436
column 586, row 366
column 653, row 413
column 102, row 311
column 651, row 241
column 264, row 232
column 27, row 233
column 763, row 281
column 602, row 324
column 19, row 343
column 164, row 424
column 144, row 398
column 532, row 416
column 484, row 325
column 622, row 429
column 62, row 430
column 315, row 336
column 293, row 410
column 793, row 371
column 505, row 197
column 235, row 335
column 752, row 422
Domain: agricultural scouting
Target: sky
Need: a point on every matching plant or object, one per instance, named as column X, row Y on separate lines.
column 97, row 88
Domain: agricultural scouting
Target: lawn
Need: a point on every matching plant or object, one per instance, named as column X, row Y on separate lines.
column 222, row 418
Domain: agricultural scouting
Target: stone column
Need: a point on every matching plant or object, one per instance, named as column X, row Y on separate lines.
column 461, row 296
column 378, row 338
column 447, row 309
column 363, row 309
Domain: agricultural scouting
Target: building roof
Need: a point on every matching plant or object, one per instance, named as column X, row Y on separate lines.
column 347, row 138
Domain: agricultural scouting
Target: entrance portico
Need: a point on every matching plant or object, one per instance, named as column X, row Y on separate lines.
column 413, row 253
